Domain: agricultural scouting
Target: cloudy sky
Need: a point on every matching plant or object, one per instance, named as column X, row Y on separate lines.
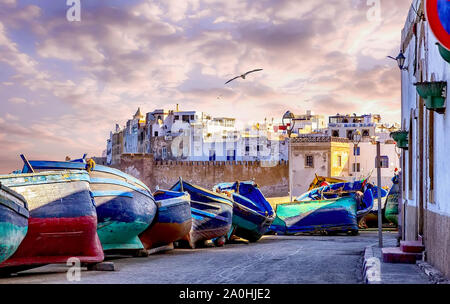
column 64, row 85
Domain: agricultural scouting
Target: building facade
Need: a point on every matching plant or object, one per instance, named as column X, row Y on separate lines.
column 362, row 161
column 195, row 136
column 322, row 155
column 425, row 203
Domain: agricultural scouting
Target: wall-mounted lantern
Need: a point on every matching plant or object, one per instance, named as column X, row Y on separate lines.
column 444, row 52
column 400, row 61
column 434, row 93
column 401, row 138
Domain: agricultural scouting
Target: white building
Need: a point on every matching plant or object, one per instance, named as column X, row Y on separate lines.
column 425, row 164
column 196, row 136
column 362, row 160
column 309, row 123
column 133, row 133
column 346, row 125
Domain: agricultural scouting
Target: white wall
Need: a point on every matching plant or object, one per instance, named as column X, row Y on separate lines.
column 368, row 153
column 435, row 68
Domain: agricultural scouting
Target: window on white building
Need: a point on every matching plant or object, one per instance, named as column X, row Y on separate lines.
column 350, row 134
column 309, row 161
column 231, row 155
column 384, row 162
column 356, row 167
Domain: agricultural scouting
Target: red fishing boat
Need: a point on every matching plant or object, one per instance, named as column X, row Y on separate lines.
column 62, row 222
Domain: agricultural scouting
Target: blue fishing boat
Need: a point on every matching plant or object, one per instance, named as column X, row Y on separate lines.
column 125, row 205
column 316, row 216
column 13, row 221
column 212, row 214
column 365, row 193
column 252, row 213
column 173, row 219
column 62, row 222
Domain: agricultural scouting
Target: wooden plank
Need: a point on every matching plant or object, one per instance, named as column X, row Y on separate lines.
column 161, row 249
column 27, row 163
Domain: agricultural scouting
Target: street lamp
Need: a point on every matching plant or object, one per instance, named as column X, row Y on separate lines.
column 356, row 139
column 288, row 122
column 400, row 61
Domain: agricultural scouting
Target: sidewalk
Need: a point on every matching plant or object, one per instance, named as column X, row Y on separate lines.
column 375, row 271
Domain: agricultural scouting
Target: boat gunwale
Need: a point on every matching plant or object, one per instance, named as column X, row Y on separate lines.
column 112, row 193
column 50, row 172
column 217, row 196
column 174, row 201
column 80, row 166
column 23, row 211
column 83, row 177
column 210, row 215
column 266, row 217
column 15, row 194
column 112, row 181
column 106, row 169
column 315, row 201
column 251, row 183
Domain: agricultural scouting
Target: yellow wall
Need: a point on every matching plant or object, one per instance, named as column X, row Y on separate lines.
column 342, row 150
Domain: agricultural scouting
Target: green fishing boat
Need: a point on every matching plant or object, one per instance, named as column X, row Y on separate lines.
column 391, row 206
column 331, row 215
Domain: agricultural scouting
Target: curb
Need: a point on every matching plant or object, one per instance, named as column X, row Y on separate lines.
column 371, row 267
column 433, row 274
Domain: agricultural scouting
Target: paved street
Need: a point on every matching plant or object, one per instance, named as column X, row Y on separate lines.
column 274, row 259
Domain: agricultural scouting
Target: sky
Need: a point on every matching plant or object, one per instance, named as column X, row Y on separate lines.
column 64, row 85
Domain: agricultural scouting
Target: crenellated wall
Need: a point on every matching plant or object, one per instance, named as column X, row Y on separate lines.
column 271, row 177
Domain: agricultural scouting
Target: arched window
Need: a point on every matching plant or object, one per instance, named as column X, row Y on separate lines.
column 335, row 133
column 350, row 134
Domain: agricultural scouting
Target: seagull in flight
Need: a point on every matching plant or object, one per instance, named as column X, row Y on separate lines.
column 243, row 75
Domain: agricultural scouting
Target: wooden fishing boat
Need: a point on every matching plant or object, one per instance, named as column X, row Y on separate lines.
column 125, row 205
column 62, row 222
column 371, row 219
column 320, row 181
column 212, row 213
column 13, row 221
column 173, row 219
column 316, row 216
column 252, row 213
column 391, row 206
column 365, row 193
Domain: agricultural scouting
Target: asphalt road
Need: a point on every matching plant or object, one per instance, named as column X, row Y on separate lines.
column 274, row 259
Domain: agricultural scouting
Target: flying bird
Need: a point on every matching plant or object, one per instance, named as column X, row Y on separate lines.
column 243, row 75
